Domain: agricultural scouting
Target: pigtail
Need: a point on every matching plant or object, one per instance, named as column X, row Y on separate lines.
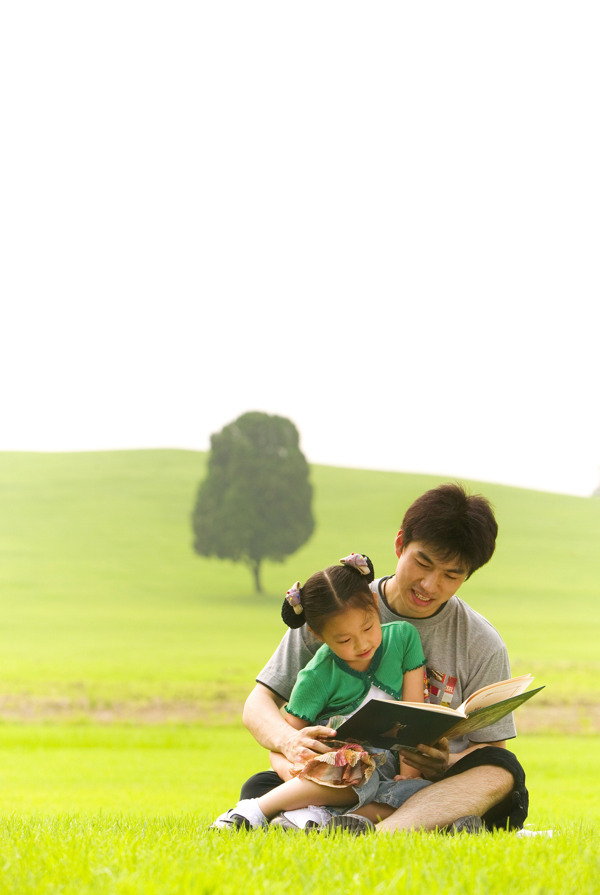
column 292, row 611
column 292, row 619
column 361, row 563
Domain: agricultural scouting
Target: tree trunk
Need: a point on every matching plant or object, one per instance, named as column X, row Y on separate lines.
column 256, row 573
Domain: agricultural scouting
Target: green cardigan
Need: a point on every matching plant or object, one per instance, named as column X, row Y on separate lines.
column 327, row 685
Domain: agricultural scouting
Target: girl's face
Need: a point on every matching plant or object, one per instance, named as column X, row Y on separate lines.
column 353, row 634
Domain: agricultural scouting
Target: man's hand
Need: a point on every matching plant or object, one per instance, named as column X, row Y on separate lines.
column 306, row 743
column 431, row 761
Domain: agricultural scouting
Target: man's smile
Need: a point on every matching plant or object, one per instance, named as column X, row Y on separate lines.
column 420, row 598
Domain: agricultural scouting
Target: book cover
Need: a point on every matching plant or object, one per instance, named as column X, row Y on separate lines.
column 389, row 724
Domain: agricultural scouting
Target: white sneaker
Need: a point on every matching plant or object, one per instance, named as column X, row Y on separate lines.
column 310, row 818
column 246, row 815
column 229, row 820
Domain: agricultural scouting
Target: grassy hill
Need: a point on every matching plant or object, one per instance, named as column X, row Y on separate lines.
column 105, row 606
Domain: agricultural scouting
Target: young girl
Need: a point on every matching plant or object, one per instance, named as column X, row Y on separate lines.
column 359, row 659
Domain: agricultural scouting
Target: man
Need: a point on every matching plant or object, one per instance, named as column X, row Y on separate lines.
column 470, row 782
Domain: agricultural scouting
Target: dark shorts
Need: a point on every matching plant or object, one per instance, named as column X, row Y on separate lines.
column 508, row 814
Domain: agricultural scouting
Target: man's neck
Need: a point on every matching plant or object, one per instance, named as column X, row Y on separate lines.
column 391, row 592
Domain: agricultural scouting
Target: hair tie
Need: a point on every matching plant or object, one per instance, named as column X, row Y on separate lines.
column 357, row 561
column 293, row 598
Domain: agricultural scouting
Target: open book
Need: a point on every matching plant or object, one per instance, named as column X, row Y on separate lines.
column 390, row 724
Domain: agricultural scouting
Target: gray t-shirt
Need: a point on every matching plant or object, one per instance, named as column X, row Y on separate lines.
column 463, row 652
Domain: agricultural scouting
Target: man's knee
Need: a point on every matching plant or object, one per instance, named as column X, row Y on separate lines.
column 259, row 784
column 501, row 774
column 499, row 764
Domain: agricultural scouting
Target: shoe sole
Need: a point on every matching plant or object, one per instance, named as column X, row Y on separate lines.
column 471, row 824
column 350, row 823
column 284, row 824
column 236, row 823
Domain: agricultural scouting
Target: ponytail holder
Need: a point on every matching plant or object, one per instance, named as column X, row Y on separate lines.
column 358, row 562
column 293, row 598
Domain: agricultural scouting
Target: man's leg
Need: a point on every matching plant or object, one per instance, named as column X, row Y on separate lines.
column 475, row 791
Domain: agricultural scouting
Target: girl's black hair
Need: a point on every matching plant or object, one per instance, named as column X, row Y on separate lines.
column 328, row 592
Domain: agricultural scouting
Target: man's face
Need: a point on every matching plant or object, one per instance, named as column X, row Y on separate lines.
column 425, row 582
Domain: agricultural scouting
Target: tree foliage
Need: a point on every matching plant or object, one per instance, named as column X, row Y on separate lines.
column 255, row 502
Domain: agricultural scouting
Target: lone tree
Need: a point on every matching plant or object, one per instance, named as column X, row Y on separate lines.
column 255, row 502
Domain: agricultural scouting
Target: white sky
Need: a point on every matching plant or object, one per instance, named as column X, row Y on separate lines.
column 378, row 219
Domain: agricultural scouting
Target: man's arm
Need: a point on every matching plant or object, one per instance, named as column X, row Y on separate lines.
column 263, row 718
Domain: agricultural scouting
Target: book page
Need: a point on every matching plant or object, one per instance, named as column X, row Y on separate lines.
column 489, row 714
column 496, row 693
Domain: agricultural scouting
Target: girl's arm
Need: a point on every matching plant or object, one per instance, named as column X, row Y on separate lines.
column 413, row 685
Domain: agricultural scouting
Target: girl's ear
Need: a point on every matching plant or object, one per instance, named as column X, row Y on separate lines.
column 314, row 633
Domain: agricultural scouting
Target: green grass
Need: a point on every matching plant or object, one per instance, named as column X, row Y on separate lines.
column 107, row 612
column 170, row 855
column 148, row 770
column 126, row 809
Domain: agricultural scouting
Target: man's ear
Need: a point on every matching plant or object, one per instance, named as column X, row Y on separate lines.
column 398, row 543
